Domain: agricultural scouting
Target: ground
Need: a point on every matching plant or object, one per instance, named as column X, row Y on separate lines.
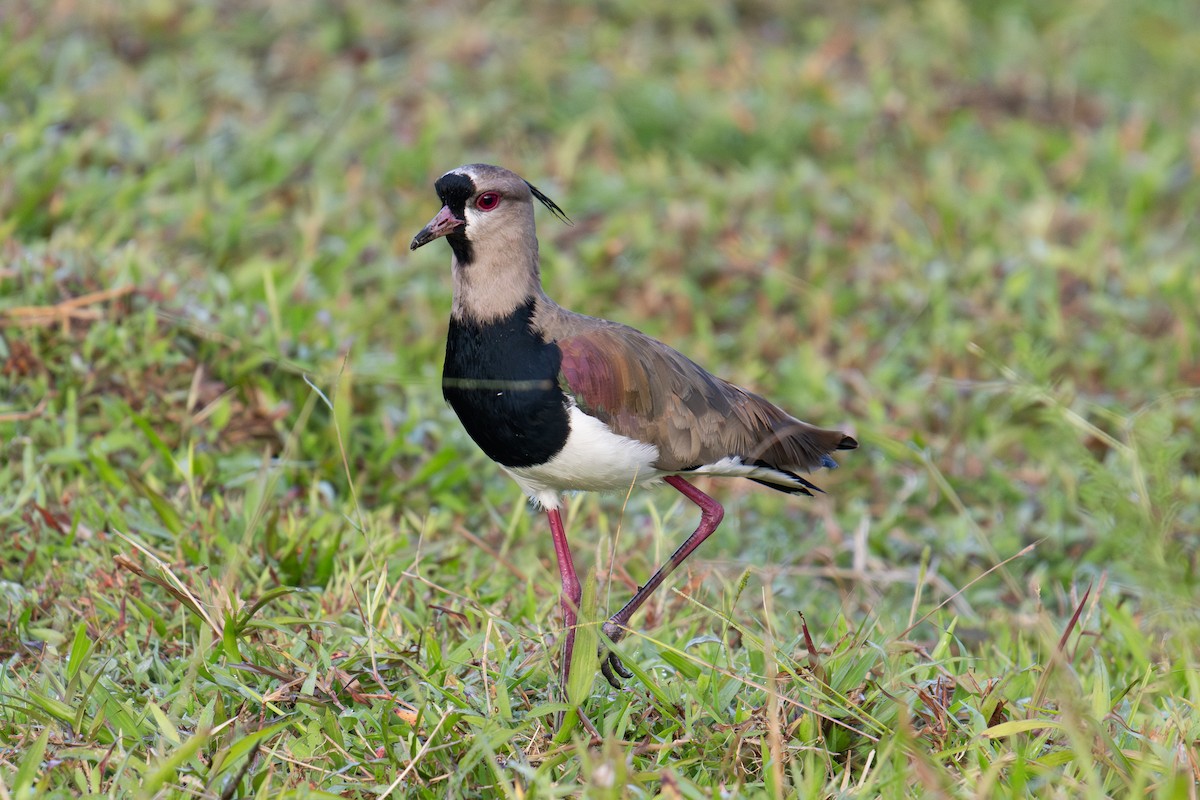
column 248, row 550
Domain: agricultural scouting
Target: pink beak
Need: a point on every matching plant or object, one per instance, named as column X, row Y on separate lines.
column 445, row 222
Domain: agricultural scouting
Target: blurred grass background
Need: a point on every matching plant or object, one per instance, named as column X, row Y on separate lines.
column 965, row 231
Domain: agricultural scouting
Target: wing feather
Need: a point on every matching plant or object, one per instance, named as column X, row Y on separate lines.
column 645, row 390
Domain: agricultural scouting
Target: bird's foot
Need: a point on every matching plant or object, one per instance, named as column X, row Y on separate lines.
column 610, row 664
column 611, row 667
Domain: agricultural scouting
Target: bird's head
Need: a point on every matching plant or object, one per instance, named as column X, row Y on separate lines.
column 483, row 205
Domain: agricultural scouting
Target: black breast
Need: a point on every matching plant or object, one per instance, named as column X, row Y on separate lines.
column 502, row 381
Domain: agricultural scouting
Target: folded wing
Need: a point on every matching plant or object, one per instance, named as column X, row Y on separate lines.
column 645, row 390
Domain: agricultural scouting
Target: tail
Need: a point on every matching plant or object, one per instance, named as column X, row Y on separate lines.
column 817, row 442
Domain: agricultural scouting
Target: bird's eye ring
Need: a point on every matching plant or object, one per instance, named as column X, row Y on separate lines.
column 487, row 201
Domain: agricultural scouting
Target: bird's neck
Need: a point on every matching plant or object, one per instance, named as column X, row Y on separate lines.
column 486, row 290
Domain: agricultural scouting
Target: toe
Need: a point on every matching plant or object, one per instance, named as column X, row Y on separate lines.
column 607, row 671
column 611, row 667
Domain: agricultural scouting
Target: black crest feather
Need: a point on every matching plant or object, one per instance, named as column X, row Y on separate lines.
column 548, row 203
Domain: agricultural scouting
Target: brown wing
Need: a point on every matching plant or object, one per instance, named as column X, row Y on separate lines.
column 645, row 390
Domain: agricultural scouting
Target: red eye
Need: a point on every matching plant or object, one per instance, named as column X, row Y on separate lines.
column 487, row 201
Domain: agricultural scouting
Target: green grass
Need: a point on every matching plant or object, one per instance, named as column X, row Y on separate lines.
column 248, row 552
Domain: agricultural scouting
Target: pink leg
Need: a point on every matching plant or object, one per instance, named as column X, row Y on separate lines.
column 572, row 592
column 711, row 514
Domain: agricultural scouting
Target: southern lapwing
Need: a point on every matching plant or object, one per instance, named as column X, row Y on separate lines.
column 567, row 402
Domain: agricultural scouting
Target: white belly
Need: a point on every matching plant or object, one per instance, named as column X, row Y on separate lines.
column 594, row 459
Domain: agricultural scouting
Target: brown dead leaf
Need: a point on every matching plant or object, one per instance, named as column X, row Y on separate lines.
column 22, row 361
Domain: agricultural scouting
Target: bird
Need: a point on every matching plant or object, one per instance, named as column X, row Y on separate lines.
column 565, row 402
